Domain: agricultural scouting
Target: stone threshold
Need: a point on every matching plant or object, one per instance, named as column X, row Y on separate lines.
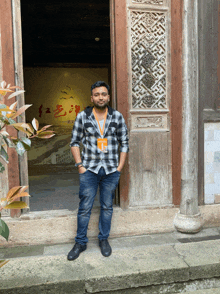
column 55, row 227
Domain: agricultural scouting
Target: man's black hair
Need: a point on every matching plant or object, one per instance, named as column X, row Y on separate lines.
column 100, row 84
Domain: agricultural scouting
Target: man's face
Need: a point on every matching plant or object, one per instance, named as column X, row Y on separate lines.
column 100, row 97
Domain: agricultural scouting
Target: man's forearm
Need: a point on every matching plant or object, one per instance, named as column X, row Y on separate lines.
column 123, row 156
column 76, row 154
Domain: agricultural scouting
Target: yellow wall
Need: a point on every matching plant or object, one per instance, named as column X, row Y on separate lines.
column 46, row 88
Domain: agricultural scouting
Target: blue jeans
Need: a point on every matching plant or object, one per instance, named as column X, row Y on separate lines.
column 89, row 183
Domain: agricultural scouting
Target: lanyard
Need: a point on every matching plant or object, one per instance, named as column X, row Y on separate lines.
column 101, row 130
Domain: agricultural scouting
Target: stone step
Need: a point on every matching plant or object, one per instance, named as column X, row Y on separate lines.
column 135, row 267
column 205, row 291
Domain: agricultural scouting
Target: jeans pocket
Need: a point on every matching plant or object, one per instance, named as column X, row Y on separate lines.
column 83, row 173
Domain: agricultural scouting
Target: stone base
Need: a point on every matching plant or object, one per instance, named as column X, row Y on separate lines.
column 53, row 227
column 188, row 223
column 59, row 226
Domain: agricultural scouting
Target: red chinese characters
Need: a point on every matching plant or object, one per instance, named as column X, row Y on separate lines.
column 77, row 109
column 40, row 110
column 59, row 111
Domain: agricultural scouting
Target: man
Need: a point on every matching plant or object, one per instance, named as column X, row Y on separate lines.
column 100, row 129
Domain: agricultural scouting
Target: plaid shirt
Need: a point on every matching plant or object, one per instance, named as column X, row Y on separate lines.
column 86, row 130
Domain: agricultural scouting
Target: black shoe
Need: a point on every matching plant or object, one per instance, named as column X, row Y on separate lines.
column 105, row 248
column 75, row 252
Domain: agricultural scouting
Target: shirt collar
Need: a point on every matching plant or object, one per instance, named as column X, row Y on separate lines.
column 89, row 109
column 91, row 117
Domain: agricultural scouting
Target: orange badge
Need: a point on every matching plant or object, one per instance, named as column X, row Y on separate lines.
column 102, row 143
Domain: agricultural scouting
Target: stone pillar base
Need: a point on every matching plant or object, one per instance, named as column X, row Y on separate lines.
column 188, row 223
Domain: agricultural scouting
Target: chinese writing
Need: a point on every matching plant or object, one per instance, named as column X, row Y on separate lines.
column 59, row 111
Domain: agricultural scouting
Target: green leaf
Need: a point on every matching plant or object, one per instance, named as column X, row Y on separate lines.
column 4, row 154
column 7, row 141
column 1, row 141
column 5, row 121
column 26, row 141
column 2, row 168
column 45, row 134
column 20, row 148
column 3, row 262
column 15, row 94
column 46, row 127
column 35, row 124
column 13, row 143
column 4, row 230
column 11, row 121
column 26, row 144
column 26, row 147
column 15, row 140
column 21, row 129
column 16, row 205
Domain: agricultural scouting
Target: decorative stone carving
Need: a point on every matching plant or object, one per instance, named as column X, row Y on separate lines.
column 148, row 56
column 149, row 122
column 157, row 2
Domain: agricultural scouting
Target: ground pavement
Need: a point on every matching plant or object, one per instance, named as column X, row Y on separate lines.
column 149, row 264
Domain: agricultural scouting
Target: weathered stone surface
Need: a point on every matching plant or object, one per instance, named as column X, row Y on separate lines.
column 42, row 228
column 36, row 271
column 60, row 226
column 73, row 287
column 188, row 223
column 189, row 172
column 132, row 268
column 189, row 180
column 139, row 268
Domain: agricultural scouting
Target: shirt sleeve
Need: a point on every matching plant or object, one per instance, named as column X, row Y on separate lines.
column 122, row 135
column 77, row 131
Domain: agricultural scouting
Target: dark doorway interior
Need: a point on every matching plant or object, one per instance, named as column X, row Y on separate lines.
column 56, row 35
column 65, row 32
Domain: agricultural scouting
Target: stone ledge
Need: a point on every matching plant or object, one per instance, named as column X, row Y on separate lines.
column 56, row 227
column 125, row 270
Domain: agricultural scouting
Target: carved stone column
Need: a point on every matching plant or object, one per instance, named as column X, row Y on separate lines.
column 189, row 219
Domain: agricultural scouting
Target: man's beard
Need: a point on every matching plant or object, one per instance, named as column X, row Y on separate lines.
column 100, row 107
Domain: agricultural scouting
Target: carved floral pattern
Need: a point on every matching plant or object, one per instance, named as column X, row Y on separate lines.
column 148, row 55
column 160, row 2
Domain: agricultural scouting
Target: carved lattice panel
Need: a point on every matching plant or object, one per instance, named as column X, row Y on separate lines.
column 157, row 2
column 148, row 49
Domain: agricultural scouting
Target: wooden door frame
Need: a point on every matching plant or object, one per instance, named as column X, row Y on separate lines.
column 12, row 63
column 176, row 97
column 19, row 81
column 120, row 79
column 13, row 72
column 8, row 25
